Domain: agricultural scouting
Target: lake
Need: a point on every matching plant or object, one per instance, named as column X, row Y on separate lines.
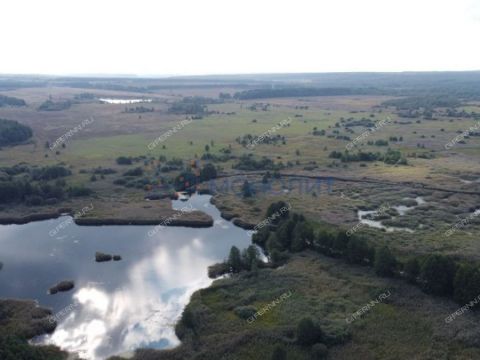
column 119, row 306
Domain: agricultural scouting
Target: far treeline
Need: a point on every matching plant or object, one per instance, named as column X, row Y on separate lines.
column 12, row 132
column 11, row 101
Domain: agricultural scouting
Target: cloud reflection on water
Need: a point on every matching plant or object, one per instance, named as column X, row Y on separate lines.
column 143, row 311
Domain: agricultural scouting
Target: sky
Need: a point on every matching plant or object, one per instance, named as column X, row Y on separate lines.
column 195, row 37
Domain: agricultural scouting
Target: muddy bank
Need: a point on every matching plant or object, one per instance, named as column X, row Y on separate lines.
column 199, row 223
column 198, row 220
column 243, row 224
column 21, row 220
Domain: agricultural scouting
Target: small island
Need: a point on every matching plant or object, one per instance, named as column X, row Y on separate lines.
column 61, row 287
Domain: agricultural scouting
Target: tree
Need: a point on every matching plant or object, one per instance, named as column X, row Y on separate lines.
column 412, row 270
column 185, row 181
column 358, row 251
column 260, row 237
column 308, row 333
column 285, row 233
column 278, row 211
column 208, row 172
column 466, row 284
column 273, row 243
column 340, row 243
column 437, row 274
column 385, row 263
column 250, row 257
column 247, row 190
column 188, row 318
column 207, row 148
column 235, row 260
column 324, row 242
column 302, row 236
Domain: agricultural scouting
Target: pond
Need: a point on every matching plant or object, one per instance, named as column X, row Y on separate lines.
column 363, row 216
column 124, row 101
column 116, row 306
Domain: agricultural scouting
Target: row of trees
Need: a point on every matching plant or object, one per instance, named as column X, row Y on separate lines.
column 391, row 156
column 37, row 186
column 248, row 163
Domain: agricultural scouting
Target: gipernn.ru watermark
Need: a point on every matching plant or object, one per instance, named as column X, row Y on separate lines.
column 63, row 139
column 462, row 136
column 461, row 223
column 463, row 309
column 168, row 133
column 170, row 219
column 69, row 221
column 270, row 219
column 378, row 125
column 269, row 306
column 62, row 313
column 360, row 312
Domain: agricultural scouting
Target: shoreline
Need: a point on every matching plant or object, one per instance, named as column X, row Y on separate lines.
column 23, row 220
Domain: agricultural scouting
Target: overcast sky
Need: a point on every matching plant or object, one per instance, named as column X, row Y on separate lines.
column 229, row 36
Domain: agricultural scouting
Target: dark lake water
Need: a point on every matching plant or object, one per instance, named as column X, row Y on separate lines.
column 115, row 307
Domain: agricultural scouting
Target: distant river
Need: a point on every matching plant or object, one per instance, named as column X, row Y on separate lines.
column 115, row 307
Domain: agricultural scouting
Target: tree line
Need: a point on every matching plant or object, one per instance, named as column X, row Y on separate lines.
column 12, row 132
column 11, row 101
column 37, row 186
column 435, row 274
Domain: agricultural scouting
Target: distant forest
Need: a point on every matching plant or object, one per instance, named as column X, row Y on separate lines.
column 300, row 91
column 11, row 101
column 460, row 85
column 12, row 132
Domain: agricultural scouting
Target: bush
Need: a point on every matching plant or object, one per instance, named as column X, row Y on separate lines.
column 358, row 251
column 50, row 173
column 77, row 191
column 134, row 172
column 437, row 274
column 122, row 160
column 308, row 333
column 385, row 263
column 244, row 312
